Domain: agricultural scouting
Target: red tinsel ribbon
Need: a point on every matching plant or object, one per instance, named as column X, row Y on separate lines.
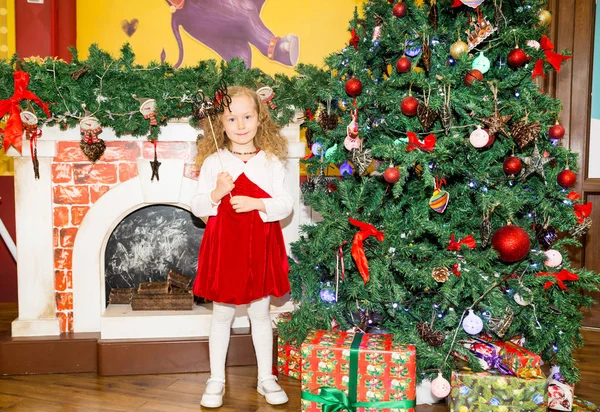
column 13, row 133
column 554, row 59
column 358, row 250
column 582, row 211
column 560, row 278
column 427, row 145
column 152, row 118
column 469, row 241
column 354, row 39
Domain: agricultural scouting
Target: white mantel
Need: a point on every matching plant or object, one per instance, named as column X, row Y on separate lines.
column 36, row 249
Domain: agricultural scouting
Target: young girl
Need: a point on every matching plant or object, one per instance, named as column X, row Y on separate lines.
column 242, row 258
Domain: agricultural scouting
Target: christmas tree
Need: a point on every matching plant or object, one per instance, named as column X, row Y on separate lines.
column 453, row 211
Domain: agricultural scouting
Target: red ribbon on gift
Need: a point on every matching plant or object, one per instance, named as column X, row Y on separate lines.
column 554, row 59
column 358, row 250
column 13, row 133
column 469, row 241
column 354, row 39
column 427, row 145
column 560, row 278
column 582, row 211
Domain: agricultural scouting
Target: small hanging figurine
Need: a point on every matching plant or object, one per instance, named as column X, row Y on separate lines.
column 148, row 109
column 352, row 141
column 267, row 95
column 32, row 132
column 91, row 145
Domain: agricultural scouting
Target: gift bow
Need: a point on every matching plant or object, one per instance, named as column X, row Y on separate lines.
column 494, row 360
column 582, row 211
column 427, row 145
column 358, row 250
column 554, row 59
column 13, row 133
column 560, row 278
column 469, row 241
column 333, row 400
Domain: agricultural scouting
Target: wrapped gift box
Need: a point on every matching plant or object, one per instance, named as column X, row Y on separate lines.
column 362, row 372
column 288, row 355
column 486, row 391
column 580, row 405
column 520, row 361
column 560, row 393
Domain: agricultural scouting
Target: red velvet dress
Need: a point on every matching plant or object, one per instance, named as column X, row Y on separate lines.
column 241, row 258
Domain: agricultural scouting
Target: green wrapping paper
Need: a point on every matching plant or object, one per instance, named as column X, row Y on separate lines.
column 485, row 391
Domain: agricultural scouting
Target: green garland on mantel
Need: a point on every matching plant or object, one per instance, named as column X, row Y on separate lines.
column 104, row 87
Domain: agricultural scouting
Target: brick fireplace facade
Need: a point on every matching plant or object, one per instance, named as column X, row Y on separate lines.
column 64, row 220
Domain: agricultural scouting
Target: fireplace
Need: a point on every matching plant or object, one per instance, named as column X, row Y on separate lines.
column 65, row 220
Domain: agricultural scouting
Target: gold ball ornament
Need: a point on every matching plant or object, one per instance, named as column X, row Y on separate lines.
column 545, row 18
column 458, row 49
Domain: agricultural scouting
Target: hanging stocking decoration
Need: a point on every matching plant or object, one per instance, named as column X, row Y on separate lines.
column 446, row 112
column 32, row 133
column 91, row 145
column 155, row 164
column 426, row 116
column 13, row 132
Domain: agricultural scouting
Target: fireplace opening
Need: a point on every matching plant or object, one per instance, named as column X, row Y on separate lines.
column 149, row 243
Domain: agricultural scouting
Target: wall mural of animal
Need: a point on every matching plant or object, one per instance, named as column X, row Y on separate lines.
column 229, row 27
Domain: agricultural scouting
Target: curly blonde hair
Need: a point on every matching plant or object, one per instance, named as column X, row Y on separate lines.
column 268, row 136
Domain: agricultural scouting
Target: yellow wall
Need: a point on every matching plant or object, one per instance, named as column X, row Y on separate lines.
column 7, row 48
column 321, row 25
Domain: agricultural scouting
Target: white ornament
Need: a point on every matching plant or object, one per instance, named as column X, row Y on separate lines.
column 479, row 137
column 472, row 3
column 553, row 258
column 534, row 44
column 481, row 63
column 28, row 118
column 472, row 324
column 440, row 387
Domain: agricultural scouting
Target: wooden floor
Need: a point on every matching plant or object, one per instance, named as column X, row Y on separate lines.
column 182, row 392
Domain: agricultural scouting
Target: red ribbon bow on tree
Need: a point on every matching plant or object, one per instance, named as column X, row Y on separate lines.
column 554, row 59
column 354, row 39
column 427, row 145
column 560, row 278
column 13, row 133
column 582, row 211
column 358, row 250
column 573, row 196
column 469, row 241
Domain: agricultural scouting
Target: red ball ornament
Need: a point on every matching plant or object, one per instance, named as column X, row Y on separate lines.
column 491, row 141
column 409, row 106
column 472, row 76
column 403, row 64
column 512, row 243
column 353, row 87
column 399, row 9
column 556, row 131
column 517, row 57
column 512, row 165
column 391, row 175
column 566, row 178
column 332, row 187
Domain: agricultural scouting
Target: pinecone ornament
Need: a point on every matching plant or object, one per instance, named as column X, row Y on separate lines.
column 328, row 121
column 440, row 274
column 485, row 230
column 426, row 116
column 431, row 336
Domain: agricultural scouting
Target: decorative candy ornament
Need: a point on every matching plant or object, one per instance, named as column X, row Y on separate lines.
column 479, row 138
column 472, row 324
column 481, row 63
column 553, row 258
column 440, row 387
column 440, row 198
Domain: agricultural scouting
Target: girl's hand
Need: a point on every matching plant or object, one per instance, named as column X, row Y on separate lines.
column 224, row 187
column 243, row 204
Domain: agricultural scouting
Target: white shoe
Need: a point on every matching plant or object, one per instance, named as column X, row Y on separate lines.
column 270, row 389
column 213, row 394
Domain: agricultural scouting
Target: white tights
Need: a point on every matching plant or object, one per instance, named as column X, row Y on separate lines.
column 262, row 336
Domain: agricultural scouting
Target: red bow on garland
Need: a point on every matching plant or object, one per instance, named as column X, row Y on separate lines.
column 427, row 145
column 582, row 211
column 13, row 133
column 560, row 278
column 354, row 39
column 358, row 250
column 469, row 241
column 573, row 196
column 554, row 59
